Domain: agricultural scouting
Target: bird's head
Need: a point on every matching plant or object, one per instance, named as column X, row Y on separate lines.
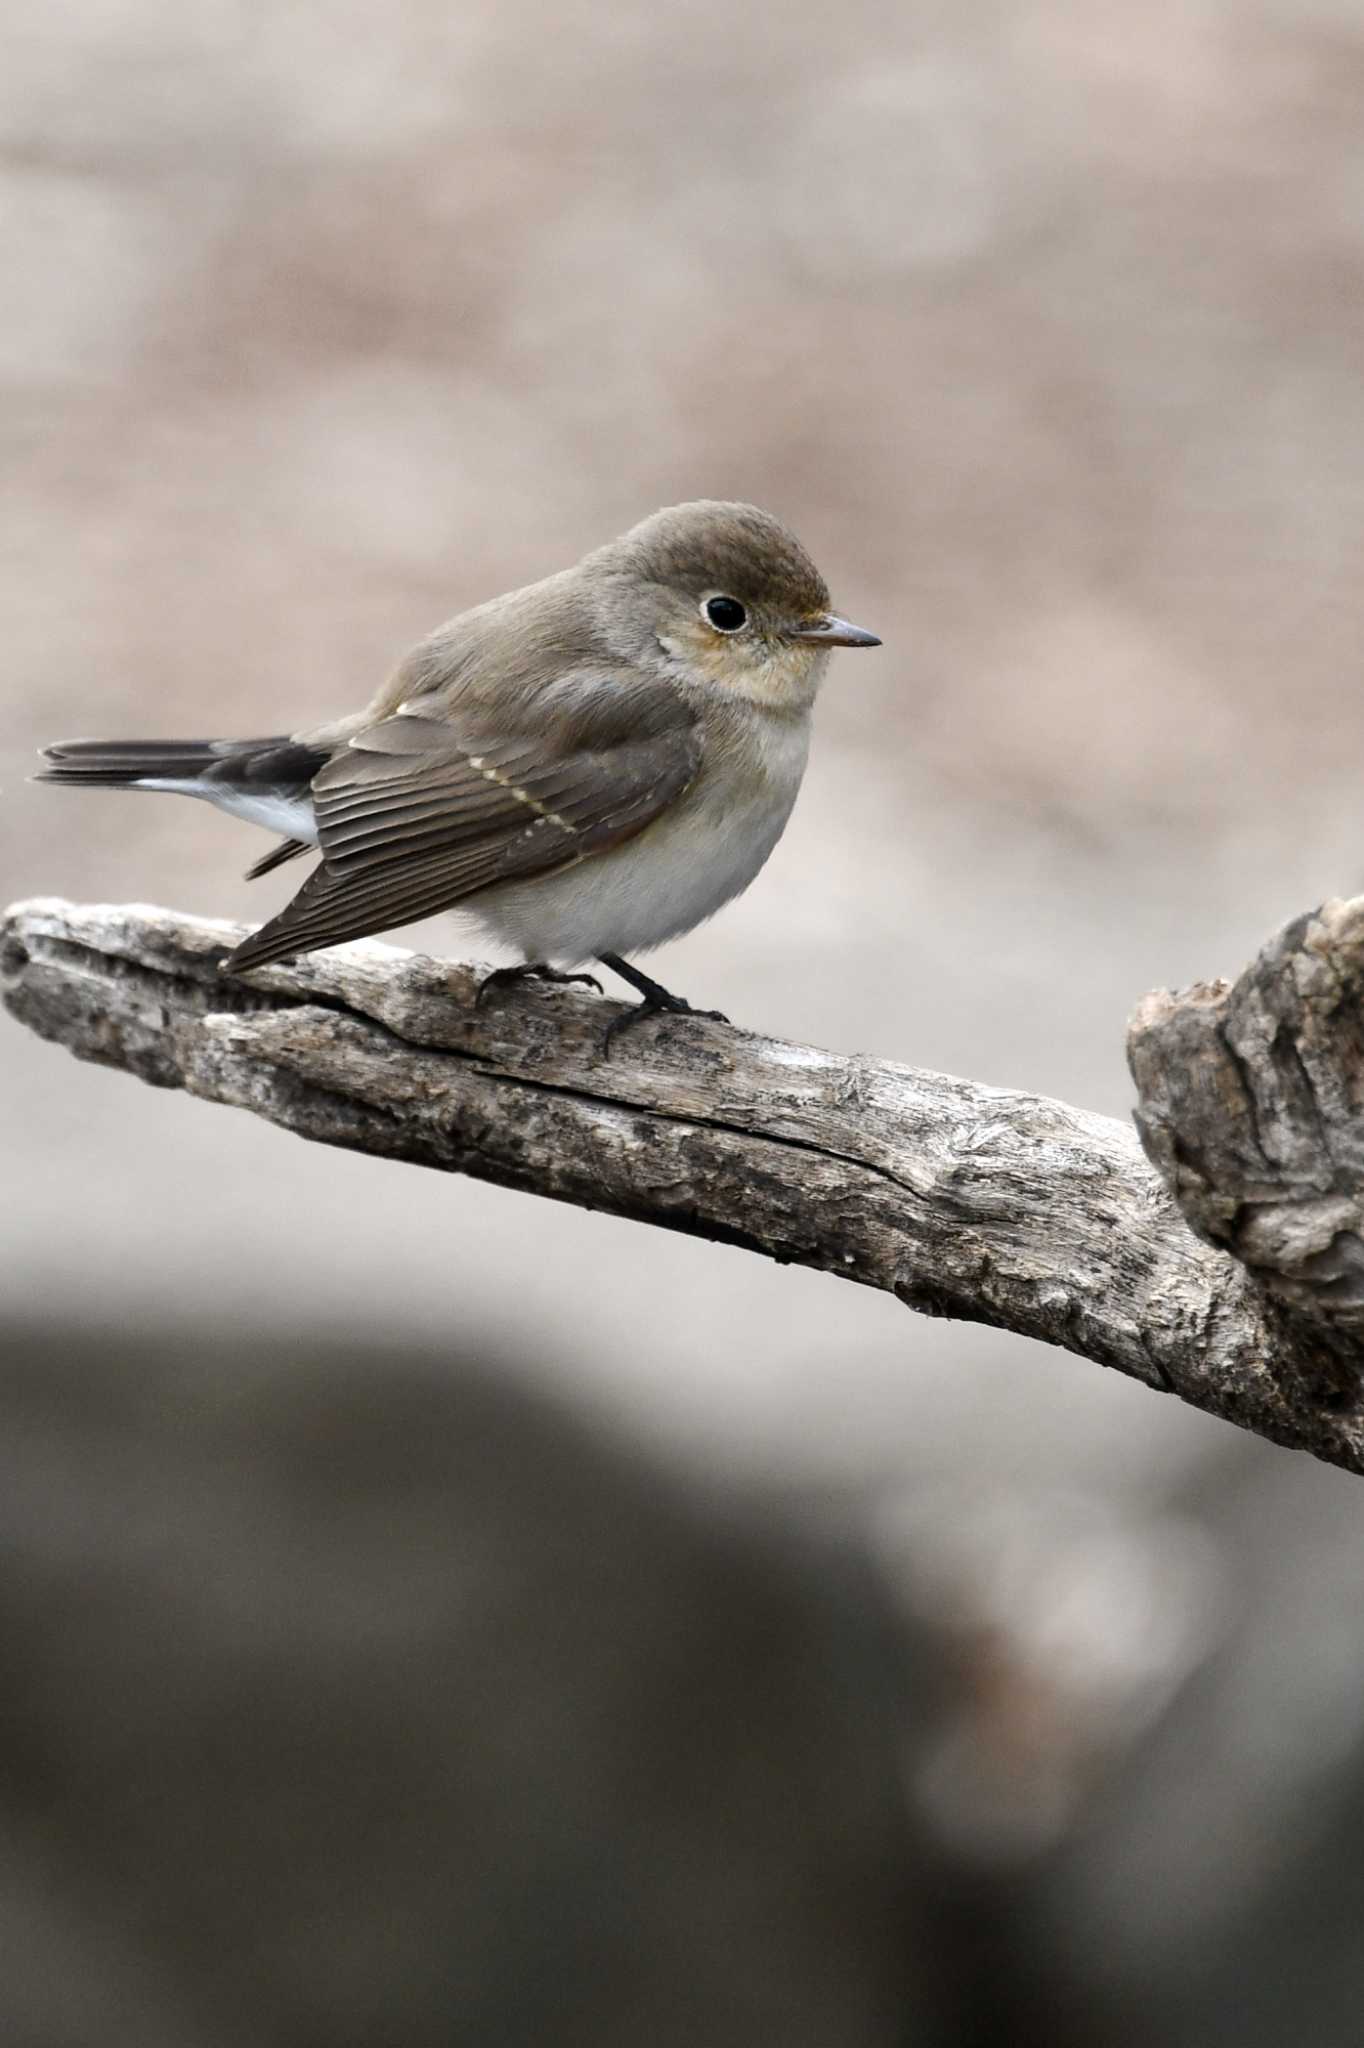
column 724, row 596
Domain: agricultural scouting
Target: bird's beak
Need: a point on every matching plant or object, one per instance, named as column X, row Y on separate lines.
column 831, row 631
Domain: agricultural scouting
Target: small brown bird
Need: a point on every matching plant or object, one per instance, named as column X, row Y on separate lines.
column 591, row 765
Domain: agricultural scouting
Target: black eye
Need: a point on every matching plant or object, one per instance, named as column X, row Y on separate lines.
column 726, row 614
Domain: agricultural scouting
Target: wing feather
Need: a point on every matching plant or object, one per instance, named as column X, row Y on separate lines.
column 414, row 814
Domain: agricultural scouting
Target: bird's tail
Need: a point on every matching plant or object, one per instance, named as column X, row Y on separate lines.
column 268, row 782
column 123, row 764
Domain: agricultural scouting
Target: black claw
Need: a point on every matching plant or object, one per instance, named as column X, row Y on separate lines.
column 634, row 1015
column 674, row 1007
column 657, row 999
column 530, row 970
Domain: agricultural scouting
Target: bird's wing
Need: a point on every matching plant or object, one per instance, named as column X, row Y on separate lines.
column 413, row 815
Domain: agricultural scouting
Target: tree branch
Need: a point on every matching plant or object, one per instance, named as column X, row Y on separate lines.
column 962, row 1200
column 1252, row 1109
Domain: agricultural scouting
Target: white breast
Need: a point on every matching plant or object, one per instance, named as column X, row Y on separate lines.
column 679, row 871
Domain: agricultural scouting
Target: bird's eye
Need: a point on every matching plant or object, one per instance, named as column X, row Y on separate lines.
column 726, row 614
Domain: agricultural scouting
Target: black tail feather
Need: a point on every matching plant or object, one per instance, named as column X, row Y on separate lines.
column 224, row 771
column 277, row 763
column 288, row 849
column 118, row 764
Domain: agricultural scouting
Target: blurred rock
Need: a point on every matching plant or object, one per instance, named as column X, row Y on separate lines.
column 353, row 1698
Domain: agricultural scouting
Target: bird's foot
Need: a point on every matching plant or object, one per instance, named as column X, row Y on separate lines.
column 657, row 1000
column 529, row 970
column 674, row 1006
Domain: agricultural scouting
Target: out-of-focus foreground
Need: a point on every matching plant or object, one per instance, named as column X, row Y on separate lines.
column 1040, row 326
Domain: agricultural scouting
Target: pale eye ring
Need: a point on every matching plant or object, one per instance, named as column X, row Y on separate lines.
column 726, row 614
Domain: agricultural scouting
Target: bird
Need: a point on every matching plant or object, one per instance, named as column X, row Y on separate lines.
column 591, row 765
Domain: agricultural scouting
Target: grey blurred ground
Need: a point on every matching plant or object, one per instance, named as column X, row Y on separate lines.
column 1041, row 324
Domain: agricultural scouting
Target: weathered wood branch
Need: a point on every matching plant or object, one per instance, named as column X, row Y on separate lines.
column 1252, row 1108
column 960, row 1199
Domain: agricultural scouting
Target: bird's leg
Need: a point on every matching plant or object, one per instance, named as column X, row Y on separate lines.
column 529, row 970
column 656, row 998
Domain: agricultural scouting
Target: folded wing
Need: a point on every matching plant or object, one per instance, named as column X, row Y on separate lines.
column 414, row 814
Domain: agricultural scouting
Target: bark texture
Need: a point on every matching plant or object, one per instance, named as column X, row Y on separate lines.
column 960, row 1199
column 1252, row 1108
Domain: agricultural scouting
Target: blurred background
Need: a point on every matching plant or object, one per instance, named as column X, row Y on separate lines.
column 423, row 1601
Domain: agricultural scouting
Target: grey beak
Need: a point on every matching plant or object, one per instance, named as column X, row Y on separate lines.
column 831, row 631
